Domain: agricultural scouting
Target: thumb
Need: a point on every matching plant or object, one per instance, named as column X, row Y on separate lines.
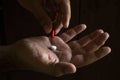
column 63, row 68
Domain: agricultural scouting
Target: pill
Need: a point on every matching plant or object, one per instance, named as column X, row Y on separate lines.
column 53, row 48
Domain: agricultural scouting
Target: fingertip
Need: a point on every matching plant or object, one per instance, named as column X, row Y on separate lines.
column 107, row 34
column 83, row 26
column 100, row 31
column 63, row 68
column 103, row 52
column 80, row 28
column 47, row 29
column 71, row 69
column 108, row 49
column 66, row 25
column 57, row 30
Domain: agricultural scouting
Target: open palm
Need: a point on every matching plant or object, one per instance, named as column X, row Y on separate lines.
column 35, row 53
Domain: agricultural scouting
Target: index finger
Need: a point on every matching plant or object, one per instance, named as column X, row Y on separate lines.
column 66, row 12
column 68, row 35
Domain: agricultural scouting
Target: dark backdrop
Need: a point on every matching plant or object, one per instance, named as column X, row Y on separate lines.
column 105, row 14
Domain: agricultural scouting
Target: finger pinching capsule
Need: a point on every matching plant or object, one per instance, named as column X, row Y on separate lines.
column 53, row 48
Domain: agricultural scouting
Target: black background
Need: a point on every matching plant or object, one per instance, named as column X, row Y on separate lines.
column 20, row 23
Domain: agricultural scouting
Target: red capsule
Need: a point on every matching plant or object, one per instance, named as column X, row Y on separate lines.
column 52, row 33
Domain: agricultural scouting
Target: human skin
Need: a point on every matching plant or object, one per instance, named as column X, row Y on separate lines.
column 46, row 10
column 34, row 53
